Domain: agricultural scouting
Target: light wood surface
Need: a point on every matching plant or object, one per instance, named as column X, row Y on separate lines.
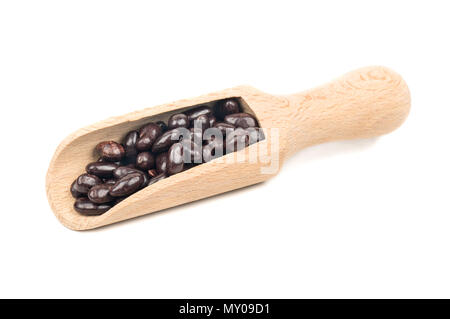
column 364, row 103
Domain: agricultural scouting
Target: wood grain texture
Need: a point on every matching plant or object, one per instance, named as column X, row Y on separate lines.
column 363, row 103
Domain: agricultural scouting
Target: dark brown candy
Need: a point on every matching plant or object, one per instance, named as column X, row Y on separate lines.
column 195, row 113
column 147, row 136
column 86, row 181
column 86, row 207
column 99, row 194
column 76, row 193
column 226, row 107
column 184, row 152
column 161, row 162
column 127, row 185
column 121, row 171
column 145, row 161
column 178, row 120
column 175, row 160
column 152, row 129
column 129, row 144
column 243, row 120
column 166, row 140
column 110, row 151
column 101, row 169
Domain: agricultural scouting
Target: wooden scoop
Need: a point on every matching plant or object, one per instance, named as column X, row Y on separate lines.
column 364, row 103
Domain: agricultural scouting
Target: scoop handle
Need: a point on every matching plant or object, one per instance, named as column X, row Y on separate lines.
column 364, row 103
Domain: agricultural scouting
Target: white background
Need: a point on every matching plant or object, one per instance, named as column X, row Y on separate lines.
column 365, row 218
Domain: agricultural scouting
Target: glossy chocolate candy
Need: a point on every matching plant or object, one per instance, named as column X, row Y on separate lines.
column 101, row 169
column 226, row 107
column 83, row 183
column 178, row 120
column 184, row 152
column 198, row 111
column 85, row 207
column 145, row 161
column 110, row 182
column 110, row 151
column 147, row 136
column 129, row 144
column 99, row 194
column 121, row 171
column 76, row 193
column 127, row 185
column 175, row 162
column 161, row 162
column 166, row 140
column 86, row 181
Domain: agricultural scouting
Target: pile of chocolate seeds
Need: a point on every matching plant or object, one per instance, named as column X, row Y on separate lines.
column 157, row 151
